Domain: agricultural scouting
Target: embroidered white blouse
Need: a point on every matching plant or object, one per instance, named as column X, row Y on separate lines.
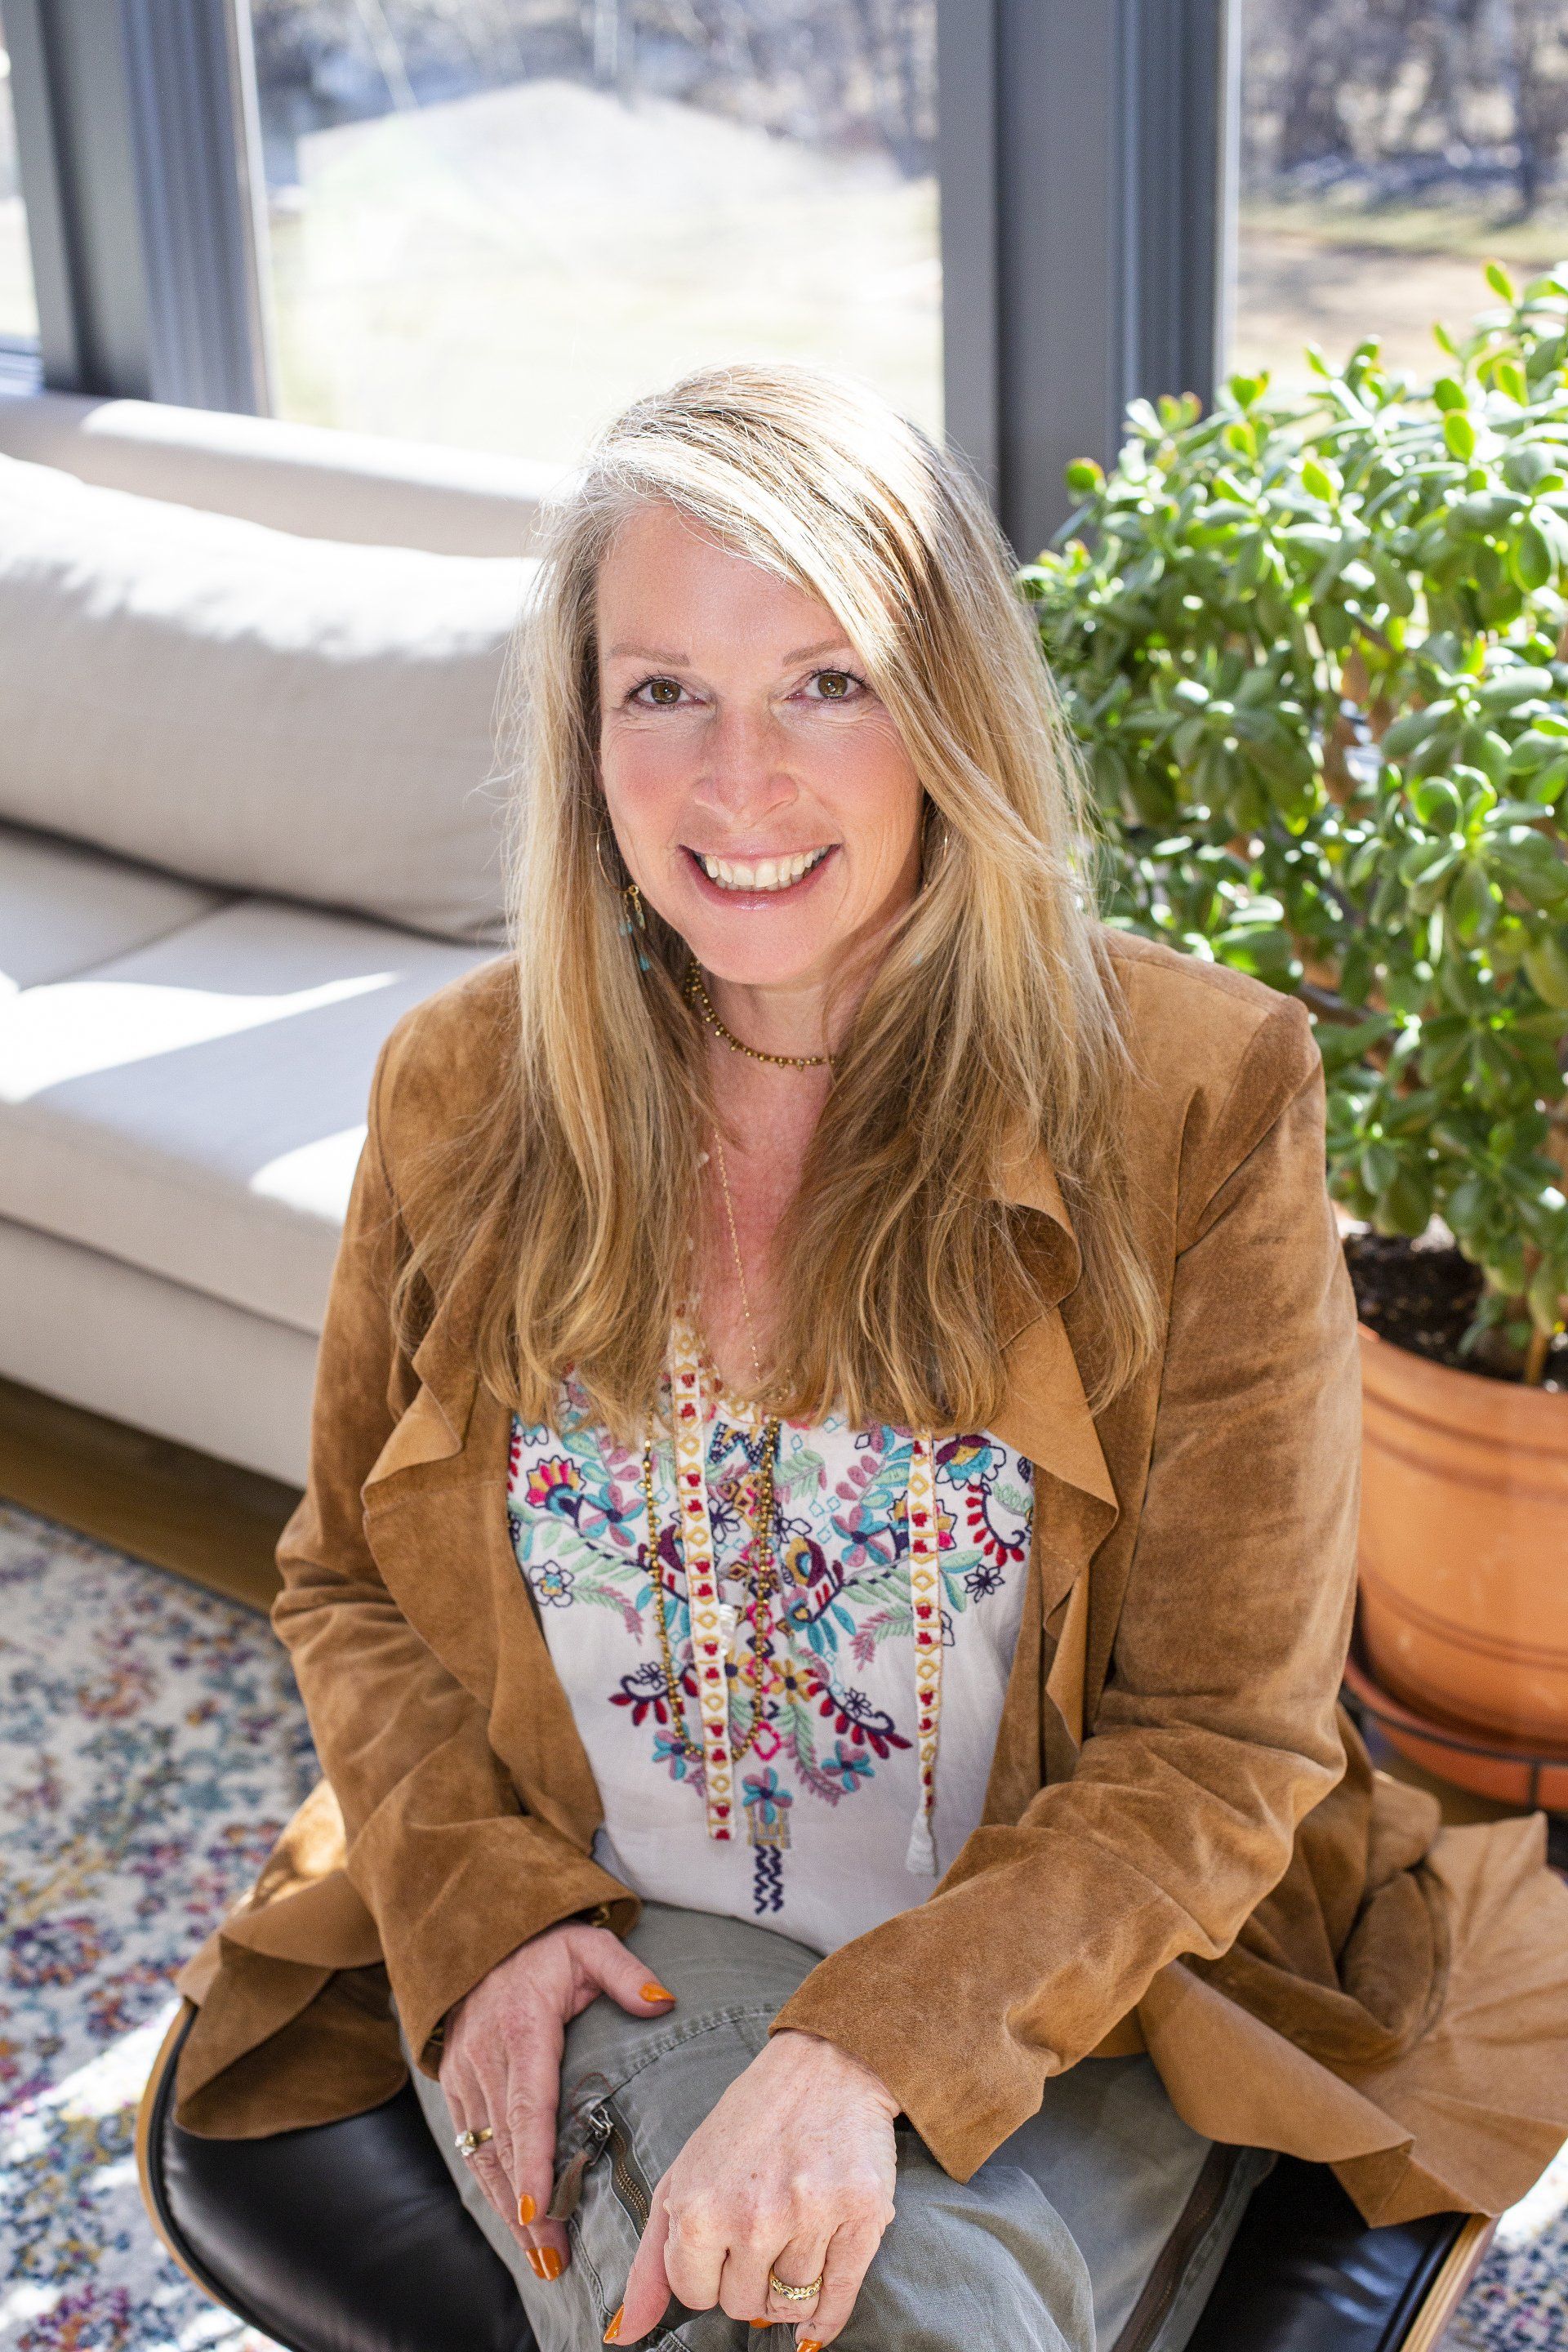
column 827, row 1790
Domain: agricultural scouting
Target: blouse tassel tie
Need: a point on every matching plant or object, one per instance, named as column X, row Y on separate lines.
column 925, row 1614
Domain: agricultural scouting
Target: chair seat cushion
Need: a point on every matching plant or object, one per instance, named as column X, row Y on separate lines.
column 351, row 2237
column 1306, row 2274
column 347, row 2237
column 197, row 1106
column 64, row 908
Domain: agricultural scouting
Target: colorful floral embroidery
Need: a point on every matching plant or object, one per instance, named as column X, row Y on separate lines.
column 830, row 1720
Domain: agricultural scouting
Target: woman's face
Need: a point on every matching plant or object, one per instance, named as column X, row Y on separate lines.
column 758, row 790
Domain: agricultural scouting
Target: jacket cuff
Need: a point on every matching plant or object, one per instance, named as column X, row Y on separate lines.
column 613, row 1916
column 454, row 1950
column 952, row 2005
column 959, row 2133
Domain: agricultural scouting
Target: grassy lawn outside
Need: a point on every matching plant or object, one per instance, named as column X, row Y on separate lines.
column 507, row 270
column 1329, row 275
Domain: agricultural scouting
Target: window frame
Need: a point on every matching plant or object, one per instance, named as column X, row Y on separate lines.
column 1072, row 280
column 135, row 123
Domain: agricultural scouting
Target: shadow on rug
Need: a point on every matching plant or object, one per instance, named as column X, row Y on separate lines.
column 152, row 1745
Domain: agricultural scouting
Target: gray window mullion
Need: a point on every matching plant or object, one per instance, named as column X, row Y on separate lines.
column 967, row 181
column 1061, row 205
column 1085, row 218
column 38, row 98
column 1181, row 132
column 186, row 83
column 133, row 127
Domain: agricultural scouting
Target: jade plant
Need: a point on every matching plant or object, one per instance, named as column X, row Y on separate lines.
column 1315, row 648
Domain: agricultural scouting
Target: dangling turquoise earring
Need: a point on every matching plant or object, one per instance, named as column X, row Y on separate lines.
column 636, row 917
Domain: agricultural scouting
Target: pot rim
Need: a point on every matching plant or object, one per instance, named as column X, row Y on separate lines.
column 1507, row 1410
column 1452, row 1732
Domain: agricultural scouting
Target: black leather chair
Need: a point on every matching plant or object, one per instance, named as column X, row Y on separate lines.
column 349, row 2237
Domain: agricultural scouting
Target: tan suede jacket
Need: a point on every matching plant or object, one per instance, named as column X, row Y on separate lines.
column 1184, row 1848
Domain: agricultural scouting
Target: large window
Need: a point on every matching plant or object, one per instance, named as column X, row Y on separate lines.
column 493, row 222
column 1388, row 148
column 18, row 309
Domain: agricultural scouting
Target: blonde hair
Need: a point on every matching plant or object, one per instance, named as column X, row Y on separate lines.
column 990, row 1021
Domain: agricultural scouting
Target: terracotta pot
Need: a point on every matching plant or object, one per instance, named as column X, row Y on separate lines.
column 1464, row 1548
column 1506, row 1771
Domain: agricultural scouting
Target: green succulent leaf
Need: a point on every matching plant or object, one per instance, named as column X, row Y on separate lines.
column 1534, row 557
column 1436, row 803
column 1546, row 967
column 1405, row 1206
column 1459, row 434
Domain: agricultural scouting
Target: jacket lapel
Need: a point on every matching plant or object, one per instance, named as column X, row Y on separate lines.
column 1045, row 1414
column 435, row 1518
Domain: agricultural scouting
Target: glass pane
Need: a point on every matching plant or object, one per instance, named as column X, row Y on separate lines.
column 493, row 222
column 18, row 309
column 1388, row 148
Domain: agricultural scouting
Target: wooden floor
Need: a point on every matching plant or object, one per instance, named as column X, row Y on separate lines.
column 207, row 1520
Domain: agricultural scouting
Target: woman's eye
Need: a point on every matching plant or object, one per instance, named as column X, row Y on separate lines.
column 837, row 685
column 664, row 692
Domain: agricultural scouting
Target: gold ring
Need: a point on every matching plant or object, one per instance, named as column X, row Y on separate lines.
column 796, row 2293
column 465, row 2142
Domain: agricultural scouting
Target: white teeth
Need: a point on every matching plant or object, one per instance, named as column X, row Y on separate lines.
column 767, row 873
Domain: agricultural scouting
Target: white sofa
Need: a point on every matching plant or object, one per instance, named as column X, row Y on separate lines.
column 203, row 937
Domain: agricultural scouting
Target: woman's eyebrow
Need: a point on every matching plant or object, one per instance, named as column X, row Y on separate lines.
column 663, row 653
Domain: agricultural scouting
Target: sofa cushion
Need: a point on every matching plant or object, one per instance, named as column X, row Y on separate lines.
column 196, row 1108
column 253, row 710
column 316, row 479
column 64, row 906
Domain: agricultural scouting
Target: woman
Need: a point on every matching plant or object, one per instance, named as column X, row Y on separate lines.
column 830, row 1546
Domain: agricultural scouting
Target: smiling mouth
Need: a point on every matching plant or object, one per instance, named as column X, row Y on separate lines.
column 759, row 873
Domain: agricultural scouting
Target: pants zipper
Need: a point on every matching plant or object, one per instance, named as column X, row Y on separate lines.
column 623, row 2176
column 603, row 2131
column 1160, row 2288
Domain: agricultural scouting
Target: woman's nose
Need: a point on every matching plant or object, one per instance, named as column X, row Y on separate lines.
column 743, row 775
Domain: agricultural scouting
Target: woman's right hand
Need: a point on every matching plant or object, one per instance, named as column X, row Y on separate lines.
column 501, row 2065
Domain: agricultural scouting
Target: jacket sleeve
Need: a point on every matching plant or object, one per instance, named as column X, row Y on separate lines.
column 454, row 1873
column 1216, row 1733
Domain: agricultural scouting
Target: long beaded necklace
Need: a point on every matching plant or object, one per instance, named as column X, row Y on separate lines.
column 712, row 1620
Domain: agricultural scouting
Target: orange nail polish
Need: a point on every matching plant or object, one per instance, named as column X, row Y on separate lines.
column 655, row 1993
column 525, row 2210
column 536, row 2262
column 614, row 2329
column 554, row 2265
column 811, row 2344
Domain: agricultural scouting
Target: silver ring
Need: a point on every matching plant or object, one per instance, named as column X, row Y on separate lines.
column 465, row 2142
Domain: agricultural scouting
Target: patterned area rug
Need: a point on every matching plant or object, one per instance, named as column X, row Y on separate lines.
column 152, row 1744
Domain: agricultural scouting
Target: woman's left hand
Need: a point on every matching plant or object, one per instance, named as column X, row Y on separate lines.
column 791, row 2172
